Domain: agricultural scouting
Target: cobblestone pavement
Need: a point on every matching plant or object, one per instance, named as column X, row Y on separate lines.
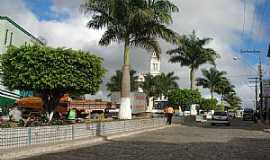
column 241, row 141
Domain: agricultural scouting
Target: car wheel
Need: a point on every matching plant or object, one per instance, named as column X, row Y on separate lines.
column 228, row 124
column 213, row 124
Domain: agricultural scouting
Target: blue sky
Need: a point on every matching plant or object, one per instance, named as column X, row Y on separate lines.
column 263, row 16
column 44, row 11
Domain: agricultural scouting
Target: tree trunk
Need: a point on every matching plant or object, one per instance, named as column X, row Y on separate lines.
column 50, row 101
column 50, row 116
column 192, row 78
column 125, row 110
column 212, row 93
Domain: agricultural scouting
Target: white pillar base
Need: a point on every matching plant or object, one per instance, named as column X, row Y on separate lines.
column 125, row 110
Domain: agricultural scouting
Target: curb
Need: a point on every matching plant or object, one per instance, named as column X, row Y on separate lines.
column 37, row 150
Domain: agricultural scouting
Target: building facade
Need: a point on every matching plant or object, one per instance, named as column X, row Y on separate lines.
column 155, row 65
column 12, row 34
column 155, row 105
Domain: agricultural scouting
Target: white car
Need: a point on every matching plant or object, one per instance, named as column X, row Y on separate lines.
column 221, row 118
column 201, row 117
column 187, row 113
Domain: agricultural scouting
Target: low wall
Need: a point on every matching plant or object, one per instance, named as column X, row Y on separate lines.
column 21, row 137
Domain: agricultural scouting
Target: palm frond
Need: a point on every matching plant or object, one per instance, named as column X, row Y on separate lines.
column 147, row 43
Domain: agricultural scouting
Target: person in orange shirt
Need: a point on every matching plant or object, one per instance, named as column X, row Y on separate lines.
column 170, row 112
column 165, row 112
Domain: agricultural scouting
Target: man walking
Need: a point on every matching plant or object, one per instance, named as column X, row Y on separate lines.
column 170, row 112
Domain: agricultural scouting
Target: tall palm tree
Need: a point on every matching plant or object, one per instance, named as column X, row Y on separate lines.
column 211, row 79
column 136, row 23
column 114, row 85
column 191, row 53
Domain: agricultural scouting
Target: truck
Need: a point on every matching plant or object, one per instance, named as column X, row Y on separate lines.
column 138, row 101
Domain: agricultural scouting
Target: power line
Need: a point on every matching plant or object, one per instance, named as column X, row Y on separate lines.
column 260, row 25
column 244, row 20
column 253, row 20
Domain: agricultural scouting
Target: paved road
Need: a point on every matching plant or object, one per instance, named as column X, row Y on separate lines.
column 241, row 141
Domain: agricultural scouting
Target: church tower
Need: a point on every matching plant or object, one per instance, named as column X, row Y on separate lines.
column 155, row 65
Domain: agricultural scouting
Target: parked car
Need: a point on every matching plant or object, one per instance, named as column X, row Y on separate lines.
column 187, row 113
column 248, row 114
column 221, row 118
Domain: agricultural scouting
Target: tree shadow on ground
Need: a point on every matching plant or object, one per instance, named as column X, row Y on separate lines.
column 236, row 149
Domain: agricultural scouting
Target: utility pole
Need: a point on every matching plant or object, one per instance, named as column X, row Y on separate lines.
column 260, row 74
column 261, row 86
column 256, row 90
column 267, row 104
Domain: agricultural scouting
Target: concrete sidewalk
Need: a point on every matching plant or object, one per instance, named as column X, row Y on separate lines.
column 36, row 150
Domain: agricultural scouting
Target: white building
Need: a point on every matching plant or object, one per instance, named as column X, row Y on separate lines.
column 12, row 34
column 154, row 71
column 155, row 65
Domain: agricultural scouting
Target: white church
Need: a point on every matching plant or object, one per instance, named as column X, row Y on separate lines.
column 154, row 71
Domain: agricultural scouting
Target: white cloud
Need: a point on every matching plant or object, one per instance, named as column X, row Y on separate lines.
column 221, row 20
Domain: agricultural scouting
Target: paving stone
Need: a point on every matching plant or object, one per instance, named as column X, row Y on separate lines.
column 241, row 141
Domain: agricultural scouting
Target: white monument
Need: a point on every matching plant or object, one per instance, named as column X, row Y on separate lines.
column 140, row 80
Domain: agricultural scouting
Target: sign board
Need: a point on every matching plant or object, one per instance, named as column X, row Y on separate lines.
column 138, row 102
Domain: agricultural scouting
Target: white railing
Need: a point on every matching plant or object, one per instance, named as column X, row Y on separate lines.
column 21, row 137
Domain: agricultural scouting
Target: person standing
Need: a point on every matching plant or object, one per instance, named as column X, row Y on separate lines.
column 165, row 112
column 170, row 112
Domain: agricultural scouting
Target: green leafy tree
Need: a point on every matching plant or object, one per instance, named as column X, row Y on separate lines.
column 51, row 72
column 184, row 97
column 192, row 53
column 211, row 79
column 114, row 85
column 136, row 23
column 220, row 107
column 208, row 104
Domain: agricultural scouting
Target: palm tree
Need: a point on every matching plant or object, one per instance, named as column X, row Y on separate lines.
column 158, row 86
column 211, row 80
column 150, row 87
column 191, row 53
column 114, row 85
column 233, row 100
column 136, row 23
column 225, row 87
column 166, row 82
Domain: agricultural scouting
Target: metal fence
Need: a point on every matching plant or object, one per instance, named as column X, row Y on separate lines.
column 21, row 137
